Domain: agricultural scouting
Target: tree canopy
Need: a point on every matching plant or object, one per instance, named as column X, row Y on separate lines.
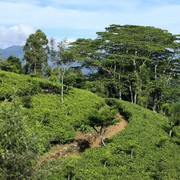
column 135, row 63
column 36, row 52
column 12, row 64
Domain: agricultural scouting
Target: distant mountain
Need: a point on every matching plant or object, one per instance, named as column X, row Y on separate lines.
column 16, row 51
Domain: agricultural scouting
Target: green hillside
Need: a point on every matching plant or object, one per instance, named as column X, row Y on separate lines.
column 143, row 150
column 33, row 119
column 38, row 106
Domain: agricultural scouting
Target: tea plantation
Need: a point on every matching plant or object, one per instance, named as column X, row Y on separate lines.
column 33, row 119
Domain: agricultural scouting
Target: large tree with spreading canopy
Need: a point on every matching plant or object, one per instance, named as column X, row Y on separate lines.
column 135, row 63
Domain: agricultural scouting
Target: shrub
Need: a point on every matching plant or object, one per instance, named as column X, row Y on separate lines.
column 18, row 148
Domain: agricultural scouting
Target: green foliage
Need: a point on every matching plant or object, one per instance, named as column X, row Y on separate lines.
column 86, row 102
column 97, row 87
column 103, row 116
column 139, row 64
column 174, row 112
column 47, row 110
column 46, row 86
column 14, row 84
column 12, row 64
column 18, row 148
column 143, row 150
column 56, row 122
column 75, row 78
column 49, row 118
column 60, row 55
column 36, row 52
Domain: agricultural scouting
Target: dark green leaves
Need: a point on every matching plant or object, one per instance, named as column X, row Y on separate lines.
column 141, row 62
column 36, row 52
column 18, row 148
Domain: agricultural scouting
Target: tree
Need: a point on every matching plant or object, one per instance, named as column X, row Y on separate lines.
column 74, row 77
column 36, row 52
column 60, row 56
column 12, row 64
column 135, row 63
column 101, row 118
column 172, row 111
column 1, row 62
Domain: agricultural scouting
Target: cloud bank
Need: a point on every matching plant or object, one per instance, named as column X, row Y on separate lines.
column 79, row 18
column 15, row 35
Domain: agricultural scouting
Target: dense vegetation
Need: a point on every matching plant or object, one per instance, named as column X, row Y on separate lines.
column 144, row 150
column 49, row 105
column 42, row 113
column 139, row 64
column 33, row 117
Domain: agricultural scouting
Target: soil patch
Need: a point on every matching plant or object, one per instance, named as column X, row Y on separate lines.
column 82, row 141
column 110, row 132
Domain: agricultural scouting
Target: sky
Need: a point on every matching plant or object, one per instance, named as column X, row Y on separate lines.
column 72, row 19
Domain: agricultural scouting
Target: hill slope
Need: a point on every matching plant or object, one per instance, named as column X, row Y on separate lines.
column 50, row 119
column 143, row 150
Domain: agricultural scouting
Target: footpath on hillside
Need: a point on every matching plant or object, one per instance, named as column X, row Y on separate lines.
column 82, row 142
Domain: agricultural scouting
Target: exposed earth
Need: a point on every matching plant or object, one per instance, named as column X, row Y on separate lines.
column 82, row 141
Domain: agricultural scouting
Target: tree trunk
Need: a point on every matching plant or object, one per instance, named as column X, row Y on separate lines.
column 114, row 69
column 131, row 93
column 62, row 85
column 170, row 132
column 132, row 151
column 69, row 177
column 155, row 71
column 154, row 107
column 100, row 134
column 102, row 141
column 120, row 93
column 95, row 129
column 135, row 98
column 35, row 68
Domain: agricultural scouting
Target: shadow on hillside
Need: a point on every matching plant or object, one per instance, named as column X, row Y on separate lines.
column 83, row 144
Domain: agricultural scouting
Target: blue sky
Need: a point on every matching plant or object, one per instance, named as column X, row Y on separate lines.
column 74, row 19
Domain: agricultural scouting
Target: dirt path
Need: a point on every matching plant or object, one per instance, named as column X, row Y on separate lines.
column 110, row 132
column 82, row 141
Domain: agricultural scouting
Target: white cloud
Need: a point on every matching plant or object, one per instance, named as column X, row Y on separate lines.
column 55, row 15
column 69, row 40
column 87, row 16
column 15, row 35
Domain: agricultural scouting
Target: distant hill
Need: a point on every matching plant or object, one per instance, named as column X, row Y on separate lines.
column 16, row 51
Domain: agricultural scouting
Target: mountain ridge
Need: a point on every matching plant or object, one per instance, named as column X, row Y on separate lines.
column 16, row 51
